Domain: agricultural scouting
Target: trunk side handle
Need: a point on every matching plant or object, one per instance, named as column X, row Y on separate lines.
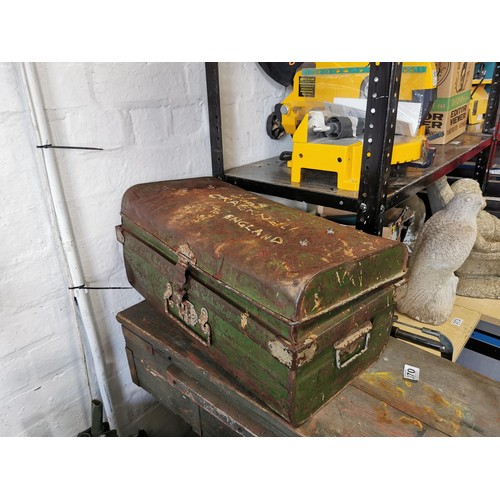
column 348, row 349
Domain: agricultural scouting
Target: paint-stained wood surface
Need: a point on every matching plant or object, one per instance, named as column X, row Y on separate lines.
column 448, row 400
column 448, row 397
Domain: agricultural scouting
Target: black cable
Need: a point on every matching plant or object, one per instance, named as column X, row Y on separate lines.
column 83, row 287
column 477, row 86
column 47, row 146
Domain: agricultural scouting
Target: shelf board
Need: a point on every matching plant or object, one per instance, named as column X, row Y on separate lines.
column 406, row 181
column 272, row 176
column 488, row 308
column 458, row 332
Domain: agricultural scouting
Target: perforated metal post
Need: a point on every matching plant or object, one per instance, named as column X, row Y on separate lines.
column 214, row 118
column 490, row 126
column 380, row 126
column 490, row 118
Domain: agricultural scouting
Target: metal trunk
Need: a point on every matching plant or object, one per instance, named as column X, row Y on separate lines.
column 293, row 305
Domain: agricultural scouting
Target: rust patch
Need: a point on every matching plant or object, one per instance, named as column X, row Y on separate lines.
column 382, row 414
column 437, row 417
column 440, row 402
column 401, row 392
column 437, row 399
column 411, row 421
column 378, row 377
column 307, row 354
column 387, row 381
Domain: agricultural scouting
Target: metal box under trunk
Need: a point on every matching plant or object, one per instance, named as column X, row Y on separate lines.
column 293, row 305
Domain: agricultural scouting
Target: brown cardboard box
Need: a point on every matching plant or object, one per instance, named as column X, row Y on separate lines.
column 450, row 110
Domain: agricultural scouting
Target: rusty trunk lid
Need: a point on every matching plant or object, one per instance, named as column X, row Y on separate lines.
column 295, row 264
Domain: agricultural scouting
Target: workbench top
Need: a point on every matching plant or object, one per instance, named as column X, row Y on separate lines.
column 448, row 400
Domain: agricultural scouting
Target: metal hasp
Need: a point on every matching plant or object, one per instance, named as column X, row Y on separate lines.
column 214, row 118
column 381, row 110
column 490, row 126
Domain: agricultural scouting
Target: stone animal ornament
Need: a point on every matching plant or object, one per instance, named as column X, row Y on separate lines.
column 479, row 275
column 442, row 246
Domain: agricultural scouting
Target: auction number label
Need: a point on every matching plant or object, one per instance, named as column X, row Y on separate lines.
column 411, row 372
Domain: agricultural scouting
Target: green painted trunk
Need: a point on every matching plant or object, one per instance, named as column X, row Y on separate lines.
column 292, row 305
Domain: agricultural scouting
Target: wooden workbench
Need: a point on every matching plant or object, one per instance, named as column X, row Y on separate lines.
column 449, row 400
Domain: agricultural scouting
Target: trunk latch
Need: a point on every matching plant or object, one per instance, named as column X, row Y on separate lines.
column 185, row 257
column 176, row 303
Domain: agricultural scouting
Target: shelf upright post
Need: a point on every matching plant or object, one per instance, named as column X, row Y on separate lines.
column 214, row 118
column 490, row 126
column 490, row 118
column 380, row 126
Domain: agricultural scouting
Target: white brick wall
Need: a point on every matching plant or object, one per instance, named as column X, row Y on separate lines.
column 151, row 120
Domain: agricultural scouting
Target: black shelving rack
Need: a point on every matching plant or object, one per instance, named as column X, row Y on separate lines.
column 382, row 186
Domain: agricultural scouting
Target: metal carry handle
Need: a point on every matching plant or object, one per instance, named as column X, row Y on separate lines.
column 353, row 345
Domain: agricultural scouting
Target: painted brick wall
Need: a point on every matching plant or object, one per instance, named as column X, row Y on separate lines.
column 151, row 120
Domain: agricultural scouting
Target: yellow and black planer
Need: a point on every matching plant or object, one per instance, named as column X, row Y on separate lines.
column 325, row 115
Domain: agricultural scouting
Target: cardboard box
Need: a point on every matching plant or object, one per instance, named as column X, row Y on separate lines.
column 450, row 110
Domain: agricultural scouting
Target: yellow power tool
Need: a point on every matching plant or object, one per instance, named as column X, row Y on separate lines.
column 478, row 104
column 325, row 115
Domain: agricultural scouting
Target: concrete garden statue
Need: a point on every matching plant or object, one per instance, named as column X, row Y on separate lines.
column 442, row 246
column 479, row 275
